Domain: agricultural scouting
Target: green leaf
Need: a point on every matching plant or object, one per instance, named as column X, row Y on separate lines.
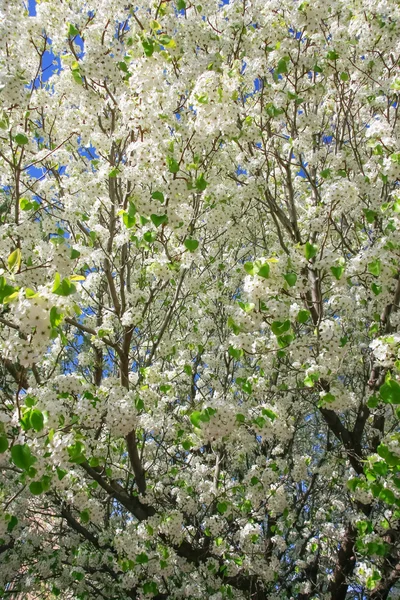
column 384, row 452
column 148, row 46
column 150, row 587
column 173, row 165
column 291, row 278
column 36, row 488
column 285, row 340
column 337, row 272
column 181, row 5
column 260, row 422
column 201, row 183
column 72, row 30
column 279, row 327
column 3, row 444
column 390, row 392
column 4, row 120
column 380, row 468
column 114, row 173
column 310, row 250
column 22, row 457
column 249, row 268
column 14, row 260
column 344, row 76
column 377, row 289
column 372, row 580
column 235, row 328
column 264, row 270
column 374, row 267
column 387, row 496
column 123, row 66
column 77, row 77
column 269, row 413
column 240, row 418
column 326, row 399
column 246, row 306
column 191, row 245
column 74, row 254
column 142, row 558
column 13, row 522
column 195, row 418
column 303, row 316
column 128, row 220
column 158, row 196
column 166, row 41
column 60, row 473
column 352, row 484
column 64, row 287
column 21, row 139
column 150, row 236
column 222, row 507
column 25, row 204
column 76, row 453
column 332, row 55
column 235, row 352
column 84, row 516
column 37, row 420
column 158, row 220
column 55, row 317
column 5, row 289
column 310, row 380
column 373, row 402
column 202, row 98
column 282, row 66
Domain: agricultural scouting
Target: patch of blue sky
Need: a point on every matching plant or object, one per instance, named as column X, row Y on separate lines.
column 36, row 172
column 88, row 152
column 32, row 8
column 301, row 173
column 80, row 43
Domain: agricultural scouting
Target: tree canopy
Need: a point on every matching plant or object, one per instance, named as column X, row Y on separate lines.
column 199, row 286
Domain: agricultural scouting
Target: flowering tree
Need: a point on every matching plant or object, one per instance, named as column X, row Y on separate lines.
column 199, row 289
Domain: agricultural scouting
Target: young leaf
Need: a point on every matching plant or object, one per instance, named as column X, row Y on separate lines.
column 191, row 245
column 37, row 420
column 3, row 444
column 21, row 139
column 303, row 316
column 22, row 457
column 201, row 183
column 264, row 270
column 337, row 272
column 158, row 196
column 249, row 268
column 158, row 220
column 173, row 165
column 14, row 260
column 36, row 488
column 310, row 250
column 291, row 279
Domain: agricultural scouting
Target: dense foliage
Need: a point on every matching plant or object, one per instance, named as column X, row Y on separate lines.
column 199, row 286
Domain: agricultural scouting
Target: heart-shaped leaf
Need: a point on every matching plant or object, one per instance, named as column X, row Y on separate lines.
column 191, row 245
column 158, row 220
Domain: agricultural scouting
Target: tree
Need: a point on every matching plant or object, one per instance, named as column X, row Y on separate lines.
column 199, row 286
